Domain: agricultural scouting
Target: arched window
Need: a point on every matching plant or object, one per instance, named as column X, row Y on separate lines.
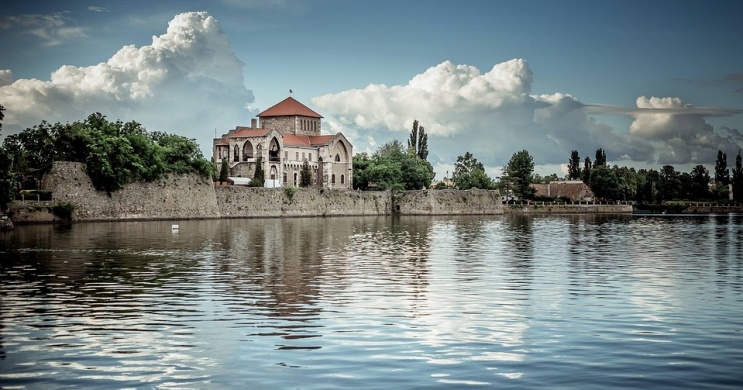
column 285, row 177
column 295, row 179
column 237, row 153
column 343, row 179
column 332, row 179
column 337, row 158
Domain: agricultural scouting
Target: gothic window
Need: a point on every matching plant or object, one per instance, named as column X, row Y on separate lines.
column 295, row 179
column 310, row 157
column 237, row 153
column 337, row 158
column 332, row 179
column 342, row 179
column 296, row 156
column 285, row 177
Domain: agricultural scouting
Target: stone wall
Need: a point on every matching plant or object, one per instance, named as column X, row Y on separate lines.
column 173, row 197
column 448, row 202
column 245, row 202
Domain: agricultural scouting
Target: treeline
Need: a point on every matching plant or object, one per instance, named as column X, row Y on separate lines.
column 657, row 186
column 395, row 167
column 114, row 153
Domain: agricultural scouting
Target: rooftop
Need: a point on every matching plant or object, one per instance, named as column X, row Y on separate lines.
column 289, row 107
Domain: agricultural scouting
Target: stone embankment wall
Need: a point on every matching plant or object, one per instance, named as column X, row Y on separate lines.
column 245, row 202
column 173, row 197
column 570, row 208
column 448, row 202
column 191, row 196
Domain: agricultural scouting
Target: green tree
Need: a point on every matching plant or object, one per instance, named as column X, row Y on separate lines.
column 585, row 173
column 738, row 178
column 605, row 183
column 418, row 141
column 224, row 171
column 519, row 170
column 669, row 185
column 722, row 174
column 259, row 177
column 574, row 166
column 699, row 186
column 7, row 182
column 470, row 173
column 600, row 158
column 305, row 175
column 627, row 182
column 391, row 167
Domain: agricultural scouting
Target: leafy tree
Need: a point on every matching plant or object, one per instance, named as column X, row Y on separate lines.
column 470, row 173
column 574, row 166
column 259, row 177
column 627, row 182
column 669, row 185
column 391, row 167
column 600, row 158
column 605, row 183
column 305, row 175
column 699, row 186
column 7, row 184
column 519, row 170
column 2, row 116
column 722, row 174
column 418, row 141
column 224, row 171
column 738, row 178
column 585, row 174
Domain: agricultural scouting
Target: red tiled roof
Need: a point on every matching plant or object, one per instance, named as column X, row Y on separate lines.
column 222, row 143
column 289, row 107
column 306, row 140
column 249, row 132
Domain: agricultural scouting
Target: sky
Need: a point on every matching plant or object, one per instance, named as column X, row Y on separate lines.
column 650, row 82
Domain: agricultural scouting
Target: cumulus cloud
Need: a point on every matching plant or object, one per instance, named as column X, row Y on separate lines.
column 491, row 114
column 687, row 137
column 188, row 81
column 53, row 29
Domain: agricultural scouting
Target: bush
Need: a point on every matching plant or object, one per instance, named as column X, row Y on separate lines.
column 290, row 192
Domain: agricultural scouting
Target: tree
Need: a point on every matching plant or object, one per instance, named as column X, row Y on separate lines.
column 391, row 167
column 7, row 183
column 600, row 158
column 669, row 185
column 738, row 178
column 585, row 174
column 699, row 188
column 574, row 166
column 305, row 175
column 519, row 169
column 605, row 183
column 224, row 171
column 470, row 173
column 418, row 141
column 259, row 177
column 722, row 174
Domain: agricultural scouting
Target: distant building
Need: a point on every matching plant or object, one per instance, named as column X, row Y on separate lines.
column 575, row 190
column 288, row 134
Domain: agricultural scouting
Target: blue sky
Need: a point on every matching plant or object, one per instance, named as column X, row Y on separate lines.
column 491, row 77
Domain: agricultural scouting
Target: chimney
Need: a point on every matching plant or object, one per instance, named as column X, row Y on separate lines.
column 253, row 123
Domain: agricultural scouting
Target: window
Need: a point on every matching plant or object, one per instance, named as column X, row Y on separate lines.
column 286, row 155
column 342, row 179
column 286, row 177
column 332, row 179
column 310, row 157
column 337, row 158
column 295, row 179
column 302, row 156
column 296, row 156
column 237, row 153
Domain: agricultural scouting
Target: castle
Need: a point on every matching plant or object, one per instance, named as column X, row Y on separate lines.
column 288, row 135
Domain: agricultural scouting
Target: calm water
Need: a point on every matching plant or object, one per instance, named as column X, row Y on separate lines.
column 569, row 302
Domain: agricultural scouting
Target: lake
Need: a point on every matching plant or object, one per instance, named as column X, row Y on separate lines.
column 518, row 302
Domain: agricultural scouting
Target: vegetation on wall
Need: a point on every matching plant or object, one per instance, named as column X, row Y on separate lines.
column 114, row 153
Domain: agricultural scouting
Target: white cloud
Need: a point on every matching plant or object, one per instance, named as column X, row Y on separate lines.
column 188, row 81
column 681, row 128
column 490, row 114
column 53, row 29
column 93, row 8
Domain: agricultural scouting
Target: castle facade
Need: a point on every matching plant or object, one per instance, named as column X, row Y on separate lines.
column 285, row 136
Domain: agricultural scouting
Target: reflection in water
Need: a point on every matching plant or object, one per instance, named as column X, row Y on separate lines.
column 509, row 301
